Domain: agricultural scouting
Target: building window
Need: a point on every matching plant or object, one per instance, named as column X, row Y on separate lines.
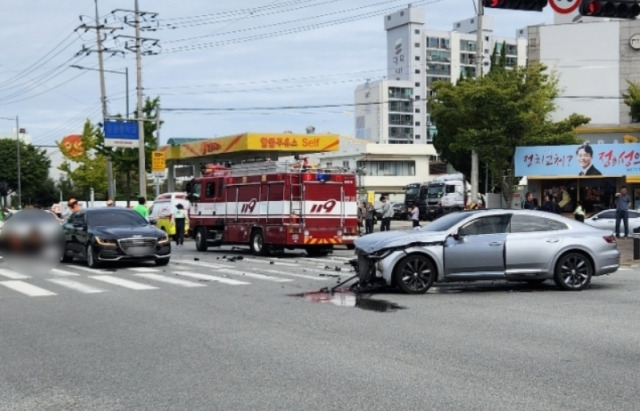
column 416, row 44
column 417, row 84
column 417, row 71
column 417, row 124
column 417, row 58
column 387, row 168
column 417, row 97
column 417, row 31
column 417, row 110
column 345, row 164
column 417, row 137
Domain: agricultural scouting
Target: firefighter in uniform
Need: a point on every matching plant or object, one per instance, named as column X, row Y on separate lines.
column 180, row 217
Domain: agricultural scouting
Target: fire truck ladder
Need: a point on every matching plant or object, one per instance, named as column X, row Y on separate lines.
column 296, row 203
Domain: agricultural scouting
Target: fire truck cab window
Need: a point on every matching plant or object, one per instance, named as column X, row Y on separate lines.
column 211, row 190
column 196, row 190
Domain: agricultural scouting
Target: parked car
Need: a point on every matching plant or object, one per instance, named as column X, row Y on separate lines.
column 399, row 211
column 514, row 245
column 606, row 220
column 30, row 230
column 102, row 234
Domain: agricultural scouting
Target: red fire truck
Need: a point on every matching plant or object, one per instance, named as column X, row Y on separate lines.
column 273, row 206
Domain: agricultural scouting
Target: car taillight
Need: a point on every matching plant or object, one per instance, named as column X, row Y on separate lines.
column 611, row 239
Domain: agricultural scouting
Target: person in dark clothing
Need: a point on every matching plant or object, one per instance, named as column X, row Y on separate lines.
column 180, row 218
column 529, row 203
column 550, row 205
column 368, row 217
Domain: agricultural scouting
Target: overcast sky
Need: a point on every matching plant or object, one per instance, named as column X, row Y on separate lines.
column 236, row 62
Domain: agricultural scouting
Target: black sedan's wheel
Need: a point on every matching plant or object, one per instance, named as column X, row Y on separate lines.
column 573, row 272
column 92, row 257
column 201, row 239
column 162, row 261
column 414, row 274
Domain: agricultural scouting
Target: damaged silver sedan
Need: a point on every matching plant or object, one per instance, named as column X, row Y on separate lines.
column 514, row 245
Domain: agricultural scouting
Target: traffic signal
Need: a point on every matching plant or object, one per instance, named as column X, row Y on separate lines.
column 529, row 5
column 616, row 9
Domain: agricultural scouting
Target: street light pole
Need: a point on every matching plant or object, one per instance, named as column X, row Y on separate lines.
column 126, row 76
column 479, row 65
column 142, row 169
column 18, row 159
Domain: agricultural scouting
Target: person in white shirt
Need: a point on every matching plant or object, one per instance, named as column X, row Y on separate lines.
column 415, row 215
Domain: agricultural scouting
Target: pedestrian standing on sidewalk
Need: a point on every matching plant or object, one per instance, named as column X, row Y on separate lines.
column 387, row 213
column 622, row 211
column 415, row 215
column 369, row 216
column 180, row 218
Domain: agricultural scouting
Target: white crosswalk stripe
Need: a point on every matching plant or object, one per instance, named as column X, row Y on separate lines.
column 26, row 288
column 76, row 286
column 170, row 280
column 12, row 275
column 207, row 277
column 254, row 275
column 202, row 264
column 63, row 273
column 122, row 282
column 145, row 269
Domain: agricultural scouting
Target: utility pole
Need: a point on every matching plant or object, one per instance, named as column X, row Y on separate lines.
column 103, row 92
column 18, row 145
column 156, row 178
column 479, row 65
column 137, row 48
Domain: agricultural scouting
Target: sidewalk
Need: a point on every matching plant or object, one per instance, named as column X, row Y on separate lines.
column 625, row 245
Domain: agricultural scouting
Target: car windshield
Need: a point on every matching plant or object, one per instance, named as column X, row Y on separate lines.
column 412, row 191
column 446, row 221
column 435, row 192
column 116, row 219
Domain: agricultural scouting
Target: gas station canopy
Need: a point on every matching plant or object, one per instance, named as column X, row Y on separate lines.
column 249, row 146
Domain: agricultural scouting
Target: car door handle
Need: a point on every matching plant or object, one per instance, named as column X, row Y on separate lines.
column 552, row 240
column 495, row 243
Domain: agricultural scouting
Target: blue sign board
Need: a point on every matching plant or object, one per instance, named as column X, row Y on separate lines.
column 609, row 160
column 121, row 133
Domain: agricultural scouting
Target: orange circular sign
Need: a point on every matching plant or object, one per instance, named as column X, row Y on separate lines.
column 72, row 145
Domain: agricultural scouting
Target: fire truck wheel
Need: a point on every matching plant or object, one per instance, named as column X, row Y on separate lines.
column 201, row 239
column 319, row 251
column 257, row 243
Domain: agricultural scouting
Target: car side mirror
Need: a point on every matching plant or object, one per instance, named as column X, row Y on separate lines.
column 153, row 221
column 456, row 235
column 594, row 218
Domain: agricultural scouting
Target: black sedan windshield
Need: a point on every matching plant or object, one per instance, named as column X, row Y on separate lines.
column 120, row 218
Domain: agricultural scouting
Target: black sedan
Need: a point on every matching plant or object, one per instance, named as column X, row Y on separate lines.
column 104, row 234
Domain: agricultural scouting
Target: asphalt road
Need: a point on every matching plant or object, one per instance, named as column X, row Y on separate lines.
column 213, row 331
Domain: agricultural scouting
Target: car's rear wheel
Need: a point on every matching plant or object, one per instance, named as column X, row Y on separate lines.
column 201, row 239
column 92, row 257
column 573, row 272
column 414, row 274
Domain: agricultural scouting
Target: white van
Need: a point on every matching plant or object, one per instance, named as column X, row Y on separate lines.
column 163, row 208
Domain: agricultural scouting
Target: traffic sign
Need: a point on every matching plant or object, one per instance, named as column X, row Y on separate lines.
column 158, row 162
column 564, row 6
column 121, row 133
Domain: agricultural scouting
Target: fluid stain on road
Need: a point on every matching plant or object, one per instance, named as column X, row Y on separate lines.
column 348, row 299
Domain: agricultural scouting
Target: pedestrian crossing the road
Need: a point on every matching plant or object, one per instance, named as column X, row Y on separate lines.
column 180, row 273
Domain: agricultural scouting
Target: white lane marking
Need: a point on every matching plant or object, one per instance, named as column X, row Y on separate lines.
column 254, row 275
column 88, row 269
column 297, row 275
column 63, row 273
column 122, row 282
column 145, row 269
column 74, row 285
column 202, row 264
column 12, row 275
column 170, row 280
column 207, row 277
column 271, row 261
column 27, row 289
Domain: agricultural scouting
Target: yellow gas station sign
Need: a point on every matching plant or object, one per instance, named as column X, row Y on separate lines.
column 158, row 162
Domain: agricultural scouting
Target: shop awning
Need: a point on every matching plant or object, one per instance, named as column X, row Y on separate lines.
column 574, row 177
column 633, row 179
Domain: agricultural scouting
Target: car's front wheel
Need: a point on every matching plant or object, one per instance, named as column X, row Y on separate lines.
column 92, row 257
column 162, row 261
column 573, row 272
column 414, row 274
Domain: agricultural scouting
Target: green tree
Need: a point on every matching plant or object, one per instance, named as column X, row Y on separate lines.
column 632, row 99
column 496, row 113
column 125, row 160
column 88, row 169
column 34, row 169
